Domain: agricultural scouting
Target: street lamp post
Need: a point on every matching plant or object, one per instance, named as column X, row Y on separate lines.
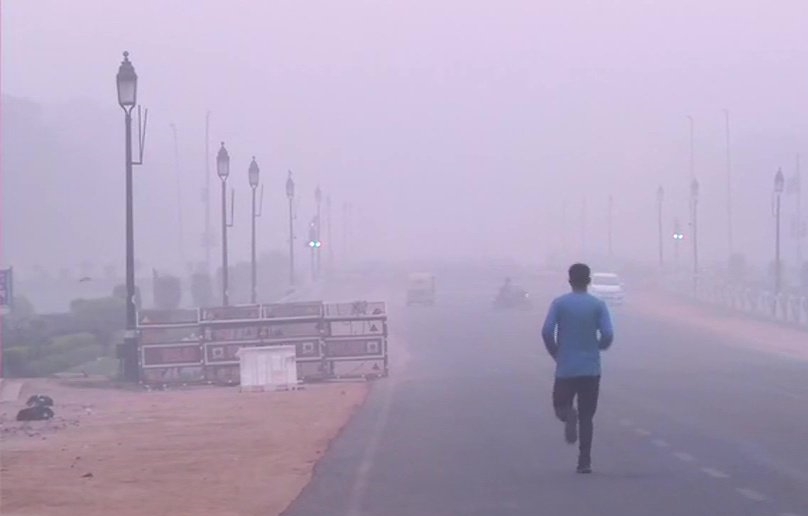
column 290, row 194
column 223, row 170
column 611, row 226
column 779, row 185
column 314, row 245
column 330, row 243
column 660, row 198
column 318, row 197
column 127, row 99
column 694, row 212
column 678, row 236
column 254, row 174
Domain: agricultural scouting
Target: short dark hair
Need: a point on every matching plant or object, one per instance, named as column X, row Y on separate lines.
column 580, row 274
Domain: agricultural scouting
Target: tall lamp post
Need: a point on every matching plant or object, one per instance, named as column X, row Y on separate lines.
column 223, row 170
column 318, row 197
column 330, row 243
column 611, row 226
column 678, row 236
column 290, row 194
column 660, row 194
column 254, row 174
column 127, row 99
column 694, row 212
column 779, row 185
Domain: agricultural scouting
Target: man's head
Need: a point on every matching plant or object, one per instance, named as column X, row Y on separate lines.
column 580, row 276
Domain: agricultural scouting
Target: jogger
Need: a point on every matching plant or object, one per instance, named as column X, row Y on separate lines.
column 586, row 390
column 578, row 326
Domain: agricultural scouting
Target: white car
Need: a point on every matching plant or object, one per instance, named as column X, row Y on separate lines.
column 608, row 287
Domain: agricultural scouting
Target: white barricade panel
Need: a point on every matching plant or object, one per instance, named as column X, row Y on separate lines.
column 267, row 367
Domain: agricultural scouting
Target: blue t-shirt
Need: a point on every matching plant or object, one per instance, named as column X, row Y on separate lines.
column 577, row 328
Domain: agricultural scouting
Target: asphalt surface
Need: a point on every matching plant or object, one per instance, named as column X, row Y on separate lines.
column 687, row 424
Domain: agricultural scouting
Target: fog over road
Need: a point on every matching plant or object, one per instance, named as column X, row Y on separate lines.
column 688, row 424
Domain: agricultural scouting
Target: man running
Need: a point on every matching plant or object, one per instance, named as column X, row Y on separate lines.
column 577, row 328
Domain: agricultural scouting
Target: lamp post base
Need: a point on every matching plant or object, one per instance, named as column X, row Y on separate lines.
column 128, row 354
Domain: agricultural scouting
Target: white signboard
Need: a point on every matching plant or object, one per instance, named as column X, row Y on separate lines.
column 268, row 367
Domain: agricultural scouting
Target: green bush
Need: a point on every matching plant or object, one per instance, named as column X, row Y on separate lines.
column 14, row 360
column 67, row 343
column 60, row 354
column 167, row 292
column 201, row 290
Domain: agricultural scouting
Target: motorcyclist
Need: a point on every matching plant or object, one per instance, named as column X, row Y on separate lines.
column 506, row 290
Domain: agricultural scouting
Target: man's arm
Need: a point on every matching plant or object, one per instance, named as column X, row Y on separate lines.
column 605, row 327
column 548, row 331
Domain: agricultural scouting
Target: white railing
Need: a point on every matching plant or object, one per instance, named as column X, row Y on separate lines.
column 784, row 308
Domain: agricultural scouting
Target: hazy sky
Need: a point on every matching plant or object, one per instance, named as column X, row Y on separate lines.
column 457, row 127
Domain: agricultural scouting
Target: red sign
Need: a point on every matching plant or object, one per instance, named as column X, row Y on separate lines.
column 231, row 313
column 165, row 355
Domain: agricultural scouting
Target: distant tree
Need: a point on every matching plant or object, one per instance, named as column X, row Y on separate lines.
column 102, row 317
column 167, row 291
column 201, row 289
column 119, row 291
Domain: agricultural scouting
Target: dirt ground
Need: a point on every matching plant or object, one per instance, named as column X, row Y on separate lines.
column 746, row 331
column 212, row 450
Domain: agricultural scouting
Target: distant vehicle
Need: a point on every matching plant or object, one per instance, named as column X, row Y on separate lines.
column 608, row 287
column 512, row 297
column 421, row 289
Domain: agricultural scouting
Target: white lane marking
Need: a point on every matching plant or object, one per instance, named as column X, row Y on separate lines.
column 750, row 494
column 715, row 473
column 359, row 487
column 684, row 457
column 789, row 394
column 662, row 443
column 626, row 422
column 642, row 431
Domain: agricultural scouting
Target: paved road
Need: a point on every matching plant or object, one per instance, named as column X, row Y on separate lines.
column 688, row 425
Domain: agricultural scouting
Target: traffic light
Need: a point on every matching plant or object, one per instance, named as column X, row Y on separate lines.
column 678, row 236
column 315, row 244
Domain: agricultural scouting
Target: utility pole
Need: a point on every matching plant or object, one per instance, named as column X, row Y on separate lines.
column 208, row 237
column 611, row 227
column 779, row 185
column 660, row 199
column 254, row 175
column 181, row 232
column 800, row 225
column 330, row 243
column 318, row 197
column 223, row 170
column 694, row 212
column 290, row 195
column 729, row 188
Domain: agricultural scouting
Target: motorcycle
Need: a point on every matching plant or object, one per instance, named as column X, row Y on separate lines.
column 513, row 298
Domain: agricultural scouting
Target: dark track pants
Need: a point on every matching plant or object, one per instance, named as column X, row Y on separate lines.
column 586, row 390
